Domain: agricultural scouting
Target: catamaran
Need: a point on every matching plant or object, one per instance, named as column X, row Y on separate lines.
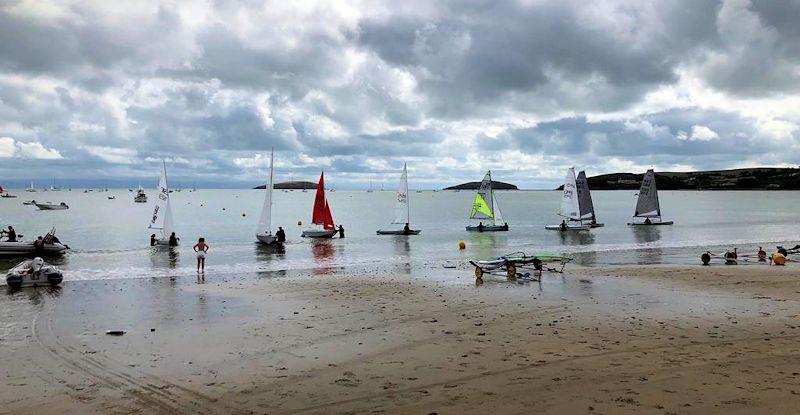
column 485, row 207
column 585, row 200
column 321, row 215
column 402, row 210
column 162, row 211
column 570, row 208
column 264, row 230
column 647, row 206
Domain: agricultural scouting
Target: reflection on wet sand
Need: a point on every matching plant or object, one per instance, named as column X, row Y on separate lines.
column 323, row 251
column 645, row 235
column 269, row 252
column 484, row 243
column 403, row 248
column 164, row 257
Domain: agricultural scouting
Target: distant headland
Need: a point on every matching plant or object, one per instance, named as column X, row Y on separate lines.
column 476, row 185
column 758, row 178
column 290, row 185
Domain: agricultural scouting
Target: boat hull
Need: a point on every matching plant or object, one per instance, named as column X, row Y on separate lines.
column 319, row 234
column 267, row 239
column 569, row 228
column 26, row 248
column 42, row 206
column 669, row 222
column 596, row 225
column 399, row 232
column 492, row 228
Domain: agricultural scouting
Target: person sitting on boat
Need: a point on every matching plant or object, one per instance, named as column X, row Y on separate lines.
column 11, row 234
column 173, row 240
column 563, row 225
column 153, row 239
column 280, row 235
column 505, row 226
column 406, row 229
column 480, row 226
column 38, row 246
column 647, row 221
column 341, row 231
column 594, row 220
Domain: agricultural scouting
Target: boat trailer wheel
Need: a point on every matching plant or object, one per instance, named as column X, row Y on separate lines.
column 511, row 269
column 478, row 272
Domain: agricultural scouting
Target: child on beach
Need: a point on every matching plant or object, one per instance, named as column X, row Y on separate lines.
column 201, row 248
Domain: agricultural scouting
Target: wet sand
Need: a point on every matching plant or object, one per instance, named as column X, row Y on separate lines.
column 644, row 340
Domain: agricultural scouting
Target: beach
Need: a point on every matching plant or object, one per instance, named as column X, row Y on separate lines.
column 658, row 340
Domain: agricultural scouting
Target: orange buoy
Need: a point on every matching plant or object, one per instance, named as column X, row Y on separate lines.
column 462, row 245
column 778, row 258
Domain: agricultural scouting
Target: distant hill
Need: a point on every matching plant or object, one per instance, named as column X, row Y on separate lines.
column 759, row 178
column 476, row 185
column 290, row 185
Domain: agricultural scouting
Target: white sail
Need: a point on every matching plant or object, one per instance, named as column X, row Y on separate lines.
column 265, row 221
column 498, row 215
column 569, row 198
column 584, row 196
column 402, row 210
column 162, row 211
column 647, row 206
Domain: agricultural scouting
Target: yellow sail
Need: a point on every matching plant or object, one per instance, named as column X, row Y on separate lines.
column 480, row 206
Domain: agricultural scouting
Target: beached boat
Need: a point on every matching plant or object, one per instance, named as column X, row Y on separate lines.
column 585, row 201
column 402, row 210
column 509, row 264
column 141, row 196
column 486, row 208
column 570, row 208
column 162, row 211
column 321, row 215
column 647, row 206
column 33, row 273
column 264, row 230
column 51, row 206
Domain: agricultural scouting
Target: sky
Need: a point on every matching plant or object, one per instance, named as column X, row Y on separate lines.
column 103, row 91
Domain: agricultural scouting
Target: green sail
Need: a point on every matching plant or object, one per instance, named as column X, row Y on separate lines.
column 480, row 207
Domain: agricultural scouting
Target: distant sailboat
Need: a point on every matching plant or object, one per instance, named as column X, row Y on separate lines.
column 402, row 209
column 585, row 200
column 31, row 189
column 570, row 207
column 647, row 205
column 264, row 231
column 321, row 214
column 485, row 207
column 141, row 196
column 162, row 211
column 370, row 187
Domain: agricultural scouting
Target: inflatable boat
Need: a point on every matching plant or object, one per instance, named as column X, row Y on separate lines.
column 33, row 273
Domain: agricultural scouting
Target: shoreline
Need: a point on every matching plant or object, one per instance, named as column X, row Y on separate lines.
column 634, row 339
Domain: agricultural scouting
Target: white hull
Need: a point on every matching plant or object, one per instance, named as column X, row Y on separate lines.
column 26, row 248
column 569, row 228
column 319, row 234
column 47, row 206
column 267, row 239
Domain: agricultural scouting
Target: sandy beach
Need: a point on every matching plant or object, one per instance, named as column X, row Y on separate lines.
column 645, row 340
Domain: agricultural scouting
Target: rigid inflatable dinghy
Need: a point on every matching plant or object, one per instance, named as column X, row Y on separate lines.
column 33, row 273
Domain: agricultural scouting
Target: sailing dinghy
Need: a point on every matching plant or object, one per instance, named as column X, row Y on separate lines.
column 485, row 207
column 264, row 231
column 402, row 210
column 162, row 211
column 570, row 208
column 321, row 215
column 585, row 201
column 647, row 207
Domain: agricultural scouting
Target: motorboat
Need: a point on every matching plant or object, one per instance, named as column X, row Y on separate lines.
column 33, row 273
column 29, row 202
column 141, row 196
column 52, row 246
column 51, row 206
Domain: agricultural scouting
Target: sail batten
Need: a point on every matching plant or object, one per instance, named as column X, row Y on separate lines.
column 570, row 207
column 647, row 206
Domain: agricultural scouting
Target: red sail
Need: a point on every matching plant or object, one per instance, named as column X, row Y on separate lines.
column 318, row 217
column 328, row 224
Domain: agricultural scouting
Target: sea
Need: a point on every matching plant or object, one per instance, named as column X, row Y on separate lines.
column 109, row 239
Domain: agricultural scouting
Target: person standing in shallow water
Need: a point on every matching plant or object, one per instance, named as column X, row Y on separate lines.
column 201, row 248
column 280, row 235
column 341, row 231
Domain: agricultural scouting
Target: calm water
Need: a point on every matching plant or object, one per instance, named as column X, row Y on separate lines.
column 109, row 238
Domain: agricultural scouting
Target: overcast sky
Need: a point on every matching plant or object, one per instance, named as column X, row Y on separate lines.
column 106, row 89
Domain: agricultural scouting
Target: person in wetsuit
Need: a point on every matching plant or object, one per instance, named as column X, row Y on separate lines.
column 280, row 235
column 173, row 240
